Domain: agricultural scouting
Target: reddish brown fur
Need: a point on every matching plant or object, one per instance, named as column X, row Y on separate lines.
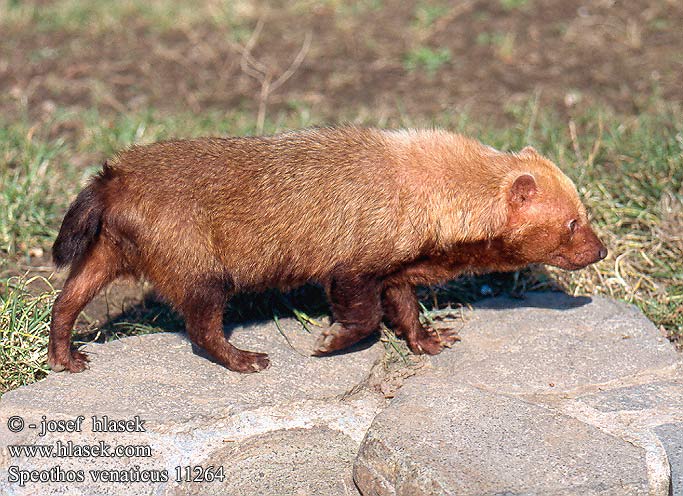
column 367, row 213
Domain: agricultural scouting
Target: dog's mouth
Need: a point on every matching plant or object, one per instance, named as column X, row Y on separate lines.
column 563, row 262
column 580, row 261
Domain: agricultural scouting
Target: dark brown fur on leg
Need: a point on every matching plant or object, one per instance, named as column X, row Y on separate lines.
column 203, row 311
column 92, row 273
column 402, row 311
column 356, row 309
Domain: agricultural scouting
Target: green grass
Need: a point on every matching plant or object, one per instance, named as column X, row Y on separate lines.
column 628, row 170
column 103, row 15
column 510, row 5
column 427, row 59
column 27, row 214
column 24, row 321
column 427, row 14
column 503, row 44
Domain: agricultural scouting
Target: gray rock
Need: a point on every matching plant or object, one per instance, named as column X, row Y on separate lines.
column 285, row 462
column 552, row 342
column 191, row 406
column 467, row 441
column 656, row 395
column 647, row 414
column 671, row 436
column 546, row 395
column 162, row 369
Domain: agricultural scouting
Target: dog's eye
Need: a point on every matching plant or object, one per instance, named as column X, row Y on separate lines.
column 572, row 225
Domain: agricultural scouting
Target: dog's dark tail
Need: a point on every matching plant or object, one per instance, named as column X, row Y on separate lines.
column 82, row 222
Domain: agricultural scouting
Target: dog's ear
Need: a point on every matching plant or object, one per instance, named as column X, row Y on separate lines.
column 523, row 190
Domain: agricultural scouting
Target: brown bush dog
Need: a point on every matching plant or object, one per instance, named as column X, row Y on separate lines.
column 367, row 213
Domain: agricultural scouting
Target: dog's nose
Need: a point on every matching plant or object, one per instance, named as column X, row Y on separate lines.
column 602, row 253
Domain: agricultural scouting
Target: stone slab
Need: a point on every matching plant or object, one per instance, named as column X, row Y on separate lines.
column 547, row 395
column 671, row 437
column 290, row 462
column 552, row 343
column 657, row 395
column 649, row 414
column 189, row 404
column 437, row 438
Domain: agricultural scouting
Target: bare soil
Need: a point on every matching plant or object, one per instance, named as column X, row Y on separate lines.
column 566, row 53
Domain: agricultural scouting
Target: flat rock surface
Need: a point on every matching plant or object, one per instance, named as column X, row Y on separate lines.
column 671, row 437
column 551, row 342
column 193, row 408
column 285, row 462
column 468, row 441
column 547, row 395
column 162, row 370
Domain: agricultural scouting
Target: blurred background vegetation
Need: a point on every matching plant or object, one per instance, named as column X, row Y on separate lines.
column 597, row 86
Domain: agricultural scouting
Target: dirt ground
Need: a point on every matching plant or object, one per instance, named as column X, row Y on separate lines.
column 565, row 53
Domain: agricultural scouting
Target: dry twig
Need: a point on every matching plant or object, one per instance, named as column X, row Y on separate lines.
column 266, row 75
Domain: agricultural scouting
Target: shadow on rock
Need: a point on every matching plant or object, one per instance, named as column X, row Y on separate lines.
column 152, row 314
column 554, row 300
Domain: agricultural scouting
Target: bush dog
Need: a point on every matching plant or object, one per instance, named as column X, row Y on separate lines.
column 367, row 213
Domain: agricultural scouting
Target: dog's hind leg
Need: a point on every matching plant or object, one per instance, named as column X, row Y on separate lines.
column 99, row 266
